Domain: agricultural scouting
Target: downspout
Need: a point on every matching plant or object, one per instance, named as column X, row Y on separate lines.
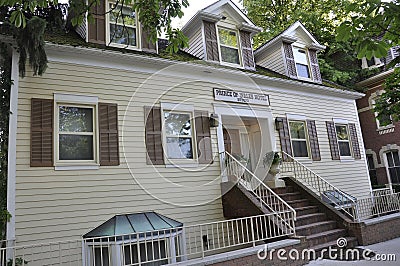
column 12, row 154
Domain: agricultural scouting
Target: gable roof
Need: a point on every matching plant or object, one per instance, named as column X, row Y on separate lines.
column 213, row 13
column 288, row 35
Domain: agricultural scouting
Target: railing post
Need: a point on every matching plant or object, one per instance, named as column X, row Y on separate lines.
column 252, row 232
column 202, row 244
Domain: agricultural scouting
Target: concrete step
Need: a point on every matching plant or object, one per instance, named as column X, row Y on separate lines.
column 325, row 237
column 281, row 190
column 310, row 218
column 306, row 210
column 315, row 228
column 291, row 196
column 298, row 203
column 337, row 253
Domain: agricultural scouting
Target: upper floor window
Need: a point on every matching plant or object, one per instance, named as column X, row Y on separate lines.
column 298, row 136
column 343, row 138
column 229, row 46
column 122, row 25
column 301, row 60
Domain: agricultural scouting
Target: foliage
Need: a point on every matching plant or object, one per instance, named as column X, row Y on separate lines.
column 28, row 21
column 5, row 85
column 388, row 104
column 338, row 62
column 18, row 262
column 373, row 27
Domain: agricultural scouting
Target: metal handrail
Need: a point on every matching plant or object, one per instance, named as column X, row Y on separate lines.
column 318, row 184
column 266, row 196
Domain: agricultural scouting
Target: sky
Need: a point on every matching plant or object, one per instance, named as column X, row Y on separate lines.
column 194, row 6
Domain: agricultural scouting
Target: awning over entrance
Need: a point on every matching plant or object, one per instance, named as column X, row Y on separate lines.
column 133, row 223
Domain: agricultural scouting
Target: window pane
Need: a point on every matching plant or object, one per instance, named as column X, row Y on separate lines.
column 75, row 119
column 101, row 256
column 370, row 160
column 122, row 35
column 300, row 56
column 394, row 174
column 384, row 120
column 76, row 147
column 341, row 131
column 300, row 148
column 389, row 157
column 227, row 37
column 156, row 248
column 297, row 130
column 344, row 148
column 230, row 55
column 396, row 158
column 177, row 124
column 179, row 148
column 128, row 16
column 302, row 71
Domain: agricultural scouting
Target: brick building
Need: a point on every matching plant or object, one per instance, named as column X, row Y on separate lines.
column 381, row 140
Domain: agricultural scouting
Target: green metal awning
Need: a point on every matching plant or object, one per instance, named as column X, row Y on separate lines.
column 133, row 223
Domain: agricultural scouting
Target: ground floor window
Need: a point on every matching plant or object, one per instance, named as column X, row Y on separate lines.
column 148, row 254
column 298, row 136
column 393, row 161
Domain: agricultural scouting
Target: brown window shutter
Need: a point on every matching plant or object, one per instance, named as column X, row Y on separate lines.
column 210, row 33
column 284, row 136
column 354, row 141
column 153, row 136
column 330, row 126
column 147, row 45
column 313, row 139
column 290, row 64
column 247, row 50
column 42, row 111
column 97, row 29
column 316, row 73
column 203, row 137
column 109, row 141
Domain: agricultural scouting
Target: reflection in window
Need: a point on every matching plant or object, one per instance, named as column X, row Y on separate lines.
column 372, row 170
column 75, row 133
column 122, row 25
column 300, row 57
column 179, row 137
column 298, row 138
column 229, row 46
column 394, row 166
column 342, row 133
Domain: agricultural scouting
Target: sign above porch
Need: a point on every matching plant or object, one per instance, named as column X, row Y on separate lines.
column 241, row 97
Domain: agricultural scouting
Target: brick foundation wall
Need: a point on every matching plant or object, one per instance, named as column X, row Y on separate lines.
column 371, row 233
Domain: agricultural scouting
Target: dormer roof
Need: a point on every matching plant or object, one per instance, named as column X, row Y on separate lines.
column 213, row 13
column 291, row 35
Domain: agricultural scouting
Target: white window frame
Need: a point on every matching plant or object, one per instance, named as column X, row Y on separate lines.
column 76, row 101
column 306, row 137
column 302, row 63
column 346, row 124
column 183, row 109
column 108, row 30
column 387, row 164
column 378, row 124
column 228, row 46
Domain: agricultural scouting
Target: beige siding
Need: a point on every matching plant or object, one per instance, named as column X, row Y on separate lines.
column 196, row 44
column 53, row 205
column 273, row 59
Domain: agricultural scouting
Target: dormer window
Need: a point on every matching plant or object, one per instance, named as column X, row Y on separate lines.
column 229, row 46
column 301, row 60
column 122, row 26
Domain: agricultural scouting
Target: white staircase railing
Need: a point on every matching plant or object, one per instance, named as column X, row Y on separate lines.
column 267, row 198
column 322, row 188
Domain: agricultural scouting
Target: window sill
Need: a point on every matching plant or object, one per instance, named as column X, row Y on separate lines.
column 304, row 159
column 76, row 167
column 124, row 46
column 385, row 129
